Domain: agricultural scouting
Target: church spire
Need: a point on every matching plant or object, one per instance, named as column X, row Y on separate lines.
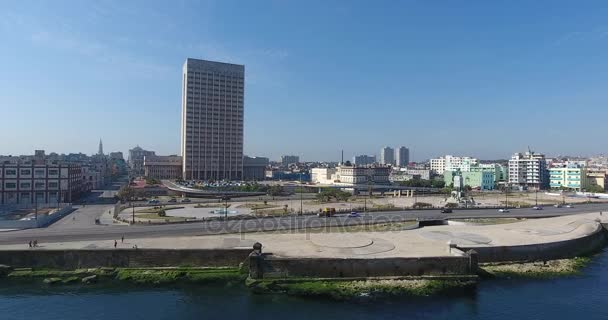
column 100, row 151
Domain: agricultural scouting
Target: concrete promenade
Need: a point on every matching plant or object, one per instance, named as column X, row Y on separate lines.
column 423, row 242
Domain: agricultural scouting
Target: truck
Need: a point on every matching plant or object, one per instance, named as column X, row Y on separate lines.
column 326, row 212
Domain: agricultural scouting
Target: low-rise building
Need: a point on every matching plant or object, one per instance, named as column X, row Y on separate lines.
column 136, row 160
column 163, row 167
column 597, row 178
column 364, row 160
column 572, row 177
column 482, row 180
column 29, row 183
column 254, row 168
column 352, row 175
column 287, row 160
column 452, row 163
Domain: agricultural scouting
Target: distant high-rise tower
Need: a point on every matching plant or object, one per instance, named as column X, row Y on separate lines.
column 403, row 157
column 100, row 150
column 387, row 156
column 212, row 120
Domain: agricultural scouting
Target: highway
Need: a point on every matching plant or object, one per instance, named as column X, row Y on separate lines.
column 78, row 226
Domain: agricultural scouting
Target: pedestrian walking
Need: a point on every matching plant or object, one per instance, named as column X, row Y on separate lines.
column 30, row 243
column 115, row 243
column 122, row 239
column 35, row 243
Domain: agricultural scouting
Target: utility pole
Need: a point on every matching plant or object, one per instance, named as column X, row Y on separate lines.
column 506, row 196
column 301, row 200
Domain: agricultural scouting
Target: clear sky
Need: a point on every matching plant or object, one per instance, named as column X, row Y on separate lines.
column 479, row 78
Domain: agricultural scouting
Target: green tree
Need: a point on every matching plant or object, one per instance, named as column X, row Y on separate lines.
column 276, row 190
column 125, row 193
column 595, row 189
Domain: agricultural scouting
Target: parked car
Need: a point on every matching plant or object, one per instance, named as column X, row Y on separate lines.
column 504, row 210
column 537, row 208
column 568, row 206
column 557, row 205
column 186, row 200
column 446, row 210
column 172, row 200
column 354, row 214
column 153, row 201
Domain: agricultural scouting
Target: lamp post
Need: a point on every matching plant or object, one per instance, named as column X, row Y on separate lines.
column 225, row 198
column 133, row 211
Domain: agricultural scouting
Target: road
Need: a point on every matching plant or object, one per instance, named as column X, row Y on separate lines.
column 64, row 232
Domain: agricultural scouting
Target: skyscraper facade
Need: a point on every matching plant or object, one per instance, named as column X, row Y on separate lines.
column 403, row 157
column 387, row 156
column 212, row 120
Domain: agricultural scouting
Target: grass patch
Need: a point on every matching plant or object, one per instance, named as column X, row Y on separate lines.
column 157, row 209
column 179, row 275
column 539, row 269
column 156, row 216
column 489, row 221
column 257, row 206
column 345, row 290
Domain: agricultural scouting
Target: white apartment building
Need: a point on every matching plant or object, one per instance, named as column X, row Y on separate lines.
column 351, row 175
column 452, row 163
column 212, row 120
column 528, row 170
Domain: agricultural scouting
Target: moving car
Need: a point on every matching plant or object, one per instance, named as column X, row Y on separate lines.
column 172, row 200
column 568, row 206
column 446, row 210
column 186, row 200
column 153, row 201
column 504, row 210
column 354, row 214
column 557, row 205
column 537, row 208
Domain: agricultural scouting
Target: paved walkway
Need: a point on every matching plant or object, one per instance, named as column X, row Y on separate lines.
column 428, row 241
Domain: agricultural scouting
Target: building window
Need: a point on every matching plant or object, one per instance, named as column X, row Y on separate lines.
column 10, row 185
column 26, row 172
column 25, row 185
column 11, row 172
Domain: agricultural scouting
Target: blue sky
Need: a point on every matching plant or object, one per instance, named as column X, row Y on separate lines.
column 480, row 78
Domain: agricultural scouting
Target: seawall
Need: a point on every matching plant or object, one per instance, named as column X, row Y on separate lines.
column 565, row 249
column 267, row 266
column 115, row 258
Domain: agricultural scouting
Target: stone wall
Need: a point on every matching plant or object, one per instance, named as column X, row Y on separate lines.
column 267, row 266
column 75, row 259
column 571, row 248
column 43, row 219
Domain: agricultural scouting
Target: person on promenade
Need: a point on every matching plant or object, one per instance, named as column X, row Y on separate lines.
column 115, row 243
column 122, row 239
column 30, row 243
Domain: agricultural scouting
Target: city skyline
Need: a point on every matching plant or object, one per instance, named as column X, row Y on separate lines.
column 437, row 66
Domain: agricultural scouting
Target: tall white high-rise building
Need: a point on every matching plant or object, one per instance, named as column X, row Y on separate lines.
column 403, row 157
column 212, row 120
column 528, row 170
column 387, row 156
